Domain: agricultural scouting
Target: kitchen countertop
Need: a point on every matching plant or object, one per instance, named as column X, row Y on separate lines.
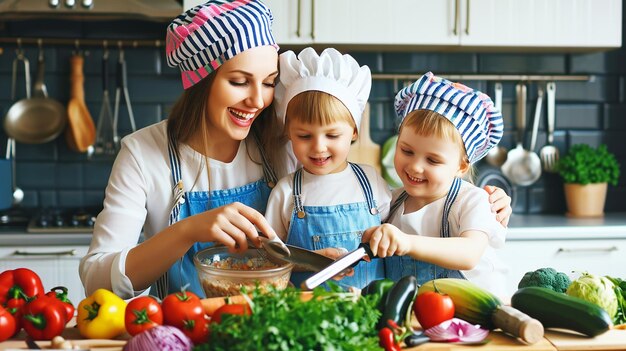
column 521, row 227
column 561, row 227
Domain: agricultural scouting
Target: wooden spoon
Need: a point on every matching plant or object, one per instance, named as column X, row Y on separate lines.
column 81, row 131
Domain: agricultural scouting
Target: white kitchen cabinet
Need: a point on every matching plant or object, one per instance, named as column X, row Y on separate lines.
column 448, row 23
column 55, row 265
column 541, row 23
column 596, row 256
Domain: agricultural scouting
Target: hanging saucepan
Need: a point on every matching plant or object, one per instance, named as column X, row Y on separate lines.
column 38, row 119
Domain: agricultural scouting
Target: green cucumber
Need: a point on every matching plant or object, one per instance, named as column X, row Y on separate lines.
column 558, row 310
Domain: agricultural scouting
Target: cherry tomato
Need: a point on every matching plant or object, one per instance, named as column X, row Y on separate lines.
column 432, row 308
column 236, row 309
column 7, row 324
column 184, row 311
column 142, row 313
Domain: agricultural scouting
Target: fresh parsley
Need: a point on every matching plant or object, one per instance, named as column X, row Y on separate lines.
column 332, row 320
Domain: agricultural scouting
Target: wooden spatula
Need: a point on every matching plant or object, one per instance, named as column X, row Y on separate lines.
column 364, row 150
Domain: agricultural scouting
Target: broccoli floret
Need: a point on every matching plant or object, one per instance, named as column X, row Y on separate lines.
column 546, row 278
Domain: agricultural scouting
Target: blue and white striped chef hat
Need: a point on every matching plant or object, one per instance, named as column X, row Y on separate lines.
column 472, row 112
column 202, row 38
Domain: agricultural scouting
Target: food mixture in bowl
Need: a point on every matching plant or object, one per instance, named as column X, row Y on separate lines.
column 223, row 273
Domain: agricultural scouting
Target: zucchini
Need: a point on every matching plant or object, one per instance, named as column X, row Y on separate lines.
column 478, row 306
column 471, row 302
column 558, row 310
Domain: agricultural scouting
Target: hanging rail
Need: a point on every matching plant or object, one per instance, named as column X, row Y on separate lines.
column 83, row 42
column 491, row 77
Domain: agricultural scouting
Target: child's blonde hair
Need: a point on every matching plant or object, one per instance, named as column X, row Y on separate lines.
column 316, row 107
column 429, row 123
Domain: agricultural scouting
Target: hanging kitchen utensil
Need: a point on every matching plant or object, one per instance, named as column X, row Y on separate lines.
column 18, row 194
column 364, row 149
column 6, row 174
column 105, row 143
column 80, row 133
column 549, row 153
column 121, row 88
column 497, row 155
column 37, row 119
column 523, row 167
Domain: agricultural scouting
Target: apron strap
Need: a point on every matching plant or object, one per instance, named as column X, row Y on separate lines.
column 450, row 198
column 268, row 171
column 178, row 192
column 396, row 205
column 297, row 194
column 366, row 187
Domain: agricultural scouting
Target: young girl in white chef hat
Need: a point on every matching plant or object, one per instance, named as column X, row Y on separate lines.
column 440, row 225
column 328, row 202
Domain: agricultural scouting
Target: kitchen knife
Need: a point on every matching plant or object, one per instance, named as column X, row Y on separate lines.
column 363, row 252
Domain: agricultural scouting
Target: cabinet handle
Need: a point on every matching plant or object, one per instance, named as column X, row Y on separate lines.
column 586, row 249
column 299, row 18
column 312, row 19
column 49, row 253
column 467, row 18
column 455, row 30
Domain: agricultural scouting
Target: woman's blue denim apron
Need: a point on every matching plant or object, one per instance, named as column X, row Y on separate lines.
column 187, row 204
column 320, row 227
column 397, row 267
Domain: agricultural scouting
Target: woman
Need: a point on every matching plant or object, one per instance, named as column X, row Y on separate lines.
column 190, row 181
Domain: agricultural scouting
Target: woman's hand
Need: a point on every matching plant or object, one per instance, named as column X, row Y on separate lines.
column 387, row 240
column 231, row 225
column 500, row 204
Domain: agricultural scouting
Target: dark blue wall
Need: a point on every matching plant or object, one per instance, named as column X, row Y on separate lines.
column 52, row 175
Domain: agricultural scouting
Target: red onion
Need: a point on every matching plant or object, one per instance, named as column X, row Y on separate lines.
column 456, row 330
column 162, row 337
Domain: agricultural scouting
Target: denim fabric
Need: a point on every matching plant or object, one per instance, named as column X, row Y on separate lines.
column 397, row 267
column 336, row 226
column 255, row 195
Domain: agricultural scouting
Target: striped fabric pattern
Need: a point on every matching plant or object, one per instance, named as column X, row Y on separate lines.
column 472, row 112
column 202, row 38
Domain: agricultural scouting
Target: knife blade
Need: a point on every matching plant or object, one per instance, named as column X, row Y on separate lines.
column 351, row 259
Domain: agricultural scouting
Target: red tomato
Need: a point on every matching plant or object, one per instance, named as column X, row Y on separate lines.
column 184, row 311
column 7, row 324
column 237, row 309
column 142, row 313
column 432, row 308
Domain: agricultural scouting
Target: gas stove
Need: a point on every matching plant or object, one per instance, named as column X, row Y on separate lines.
column 62, row 220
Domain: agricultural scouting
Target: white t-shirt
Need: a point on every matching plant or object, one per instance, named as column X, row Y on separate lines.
column 139, row 196
column 470, row 211
column 324, row 190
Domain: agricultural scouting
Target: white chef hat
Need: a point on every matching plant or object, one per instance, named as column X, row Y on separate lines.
column 330, row 72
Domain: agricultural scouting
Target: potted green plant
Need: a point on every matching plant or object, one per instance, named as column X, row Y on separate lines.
column 586, row 172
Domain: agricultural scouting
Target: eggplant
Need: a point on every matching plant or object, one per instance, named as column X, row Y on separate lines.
column 398, row 303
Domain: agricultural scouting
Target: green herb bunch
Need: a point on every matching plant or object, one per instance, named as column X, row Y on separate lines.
column 584, row 165
column 332, row 320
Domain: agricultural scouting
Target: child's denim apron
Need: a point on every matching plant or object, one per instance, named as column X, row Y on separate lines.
column 319, row 227
column 187, row 204
column 397, row 267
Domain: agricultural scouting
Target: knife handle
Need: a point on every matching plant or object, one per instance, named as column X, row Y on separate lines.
column 368, row 251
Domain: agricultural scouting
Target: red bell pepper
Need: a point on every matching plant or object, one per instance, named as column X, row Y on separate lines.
column 60, row 293
column 21, row 283
column 44, row 317
column 7, row 324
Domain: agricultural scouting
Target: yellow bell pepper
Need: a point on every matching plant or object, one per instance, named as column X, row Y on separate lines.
column 101, row 315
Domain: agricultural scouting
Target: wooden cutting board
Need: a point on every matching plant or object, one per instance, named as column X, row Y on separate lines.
column 364, row 150
column 498, row 342
column 612, row 340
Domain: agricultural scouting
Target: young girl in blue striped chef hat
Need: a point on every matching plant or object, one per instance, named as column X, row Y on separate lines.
column 329, row 202
column 440, row 225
